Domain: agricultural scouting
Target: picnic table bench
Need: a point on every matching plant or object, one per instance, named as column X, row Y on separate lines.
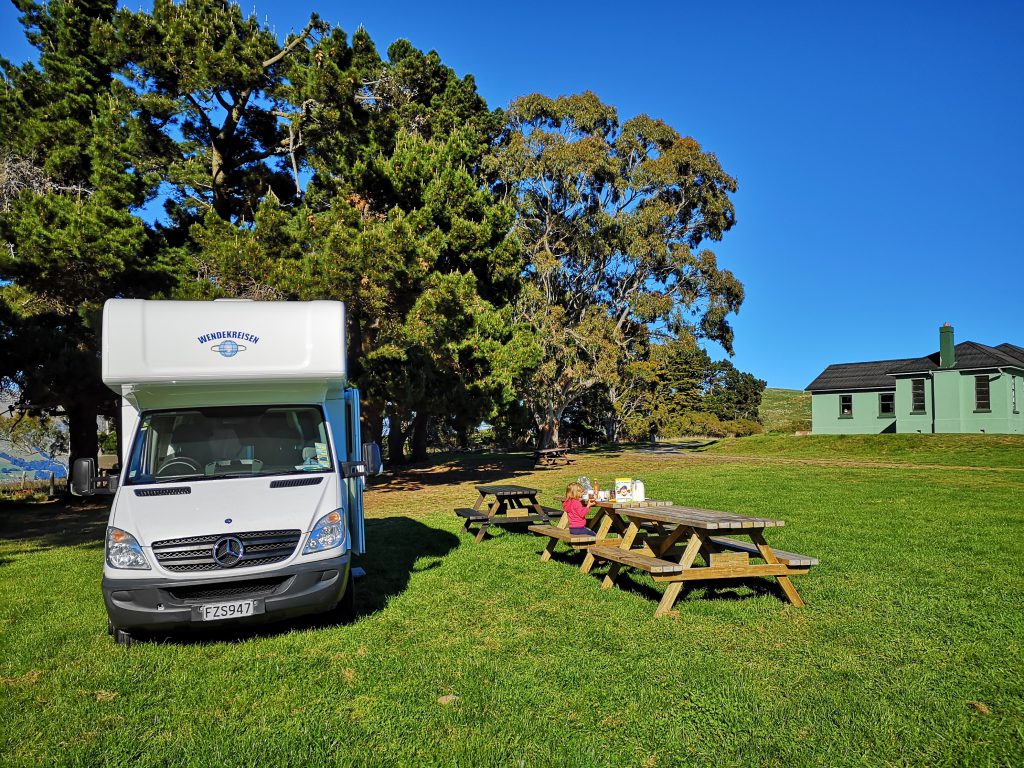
column 666, row 542
column 505, row 505
column 552, row 457
column 559, row 532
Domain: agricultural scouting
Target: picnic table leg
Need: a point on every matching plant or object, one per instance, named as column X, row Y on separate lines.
column 614, row 568
column 538, row 509
column 675, row 587
column 602, row 531
column 769, row 557
column 495, row 508
column 549, row 550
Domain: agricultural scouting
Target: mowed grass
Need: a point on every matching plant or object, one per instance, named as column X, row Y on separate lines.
column 908, row 652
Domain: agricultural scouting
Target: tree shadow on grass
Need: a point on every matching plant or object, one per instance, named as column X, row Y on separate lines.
column 479, row 469
column 45, row 525
column 397, row 548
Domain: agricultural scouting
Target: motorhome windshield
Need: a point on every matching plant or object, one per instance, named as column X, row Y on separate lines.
column 236, row 441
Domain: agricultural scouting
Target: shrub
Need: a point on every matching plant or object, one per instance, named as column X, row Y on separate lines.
column 744, row 427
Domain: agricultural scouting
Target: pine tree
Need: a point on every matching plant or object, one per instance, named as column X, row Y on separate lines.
column 70, row 147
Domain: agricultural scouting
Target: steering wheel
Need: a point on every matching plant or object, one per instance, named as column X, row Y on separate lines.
column 190, row 464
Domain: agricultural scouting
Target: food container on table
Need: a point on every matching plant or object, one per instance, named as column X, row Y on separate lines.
column 623, row 489
column 639, row 491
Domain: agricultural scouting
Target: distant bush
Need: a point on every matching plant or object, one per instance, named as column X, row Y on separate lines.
column 744, row 427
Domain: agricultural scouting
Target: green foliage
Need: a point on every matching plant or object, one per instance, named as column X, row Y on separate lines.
column 218, row 79
column 425, row 211
column 70, row 131
column 612, row 218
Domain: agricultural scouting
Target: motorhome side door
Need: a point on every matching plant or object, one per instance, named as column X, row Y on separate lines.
column 353, row 448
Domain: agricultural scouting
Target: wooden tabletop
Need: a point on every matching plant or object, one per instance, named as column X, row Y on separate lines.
column 694, row 517
column 612, row 504
column 506, row 490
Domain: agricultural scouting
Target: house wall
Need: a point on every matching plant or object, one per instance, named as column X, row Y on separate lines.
column 913, row 422
column 825, row 418
column 950, row 400
column 1000, row 419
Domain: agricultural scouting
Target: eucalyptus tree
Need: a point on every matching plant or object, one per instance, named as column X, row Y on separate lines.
column 611, row 218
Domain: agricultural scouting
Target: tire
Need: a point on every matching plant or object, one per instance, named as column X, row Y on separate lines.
column 345, row 611
column 110, row 627
column 122, row 638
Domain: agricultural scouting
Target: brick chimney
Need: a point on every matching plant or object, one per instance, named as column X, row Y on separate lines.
column 947, row 349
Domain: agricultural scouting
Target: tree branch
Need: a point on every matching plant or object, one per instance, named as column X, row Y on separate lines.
column 313, row 24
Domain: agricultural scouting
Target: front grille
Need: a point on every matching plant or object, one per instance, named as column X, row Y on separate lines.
column 251, row 588
column 195, row 553
column 295, row 482
column 178, row 490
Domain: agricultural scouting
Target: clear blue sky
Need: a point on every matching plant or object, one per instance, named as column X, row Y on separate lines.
column 879, row 147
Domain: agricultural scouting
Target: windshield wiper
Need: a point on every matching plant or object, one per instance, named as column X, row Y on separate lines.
column 182, row 479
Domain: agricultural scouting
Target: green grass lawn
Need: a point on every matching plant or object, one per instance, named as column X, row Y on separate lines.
column 908, row 652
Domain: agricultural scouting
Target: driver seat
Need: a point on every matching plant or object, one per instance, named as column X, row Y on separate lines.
column 192, row 441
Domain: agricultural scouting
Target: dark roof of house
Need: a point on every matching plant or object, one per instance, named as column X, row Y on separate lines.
column 879, row 374
column 857, row 375
column 969, row 355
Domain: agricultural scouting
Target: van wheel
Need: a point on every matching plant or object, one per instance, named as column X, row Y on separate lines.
column 345, row 611
column 122, row 638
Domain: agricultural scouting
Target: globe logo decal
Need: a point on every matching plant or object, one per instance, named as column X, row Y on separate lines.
column 228, row 348
column 227, row 342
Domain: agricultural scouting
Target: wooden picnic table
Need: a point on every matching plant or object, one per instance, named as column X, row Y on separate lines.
column 666, row 542
column 551, row 457
column 505, row 505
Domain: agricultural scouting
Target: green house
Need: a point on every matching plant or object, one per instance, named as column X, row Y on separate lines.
column 966, row 387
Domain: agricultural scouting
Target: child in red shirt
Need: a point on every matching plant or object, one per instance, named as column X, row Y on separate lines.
column 576, row 510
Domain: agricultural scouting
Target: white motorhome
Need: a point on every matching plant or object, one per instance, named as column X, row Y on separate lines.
column 240, row 496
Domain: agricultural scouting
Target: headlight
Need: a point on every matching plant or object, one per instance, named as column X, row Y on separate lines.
column 328, row 533
column 123, row 551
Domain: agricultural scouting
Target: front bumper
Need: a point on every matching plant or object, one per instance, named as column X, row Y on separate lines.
column 163, row 604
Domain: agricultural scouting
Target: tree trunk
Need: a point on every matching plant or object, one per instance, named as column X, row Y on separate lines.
column 396, row 438
column 462, row 434
column 419, row 436
column 84, row 442
column 548, row 435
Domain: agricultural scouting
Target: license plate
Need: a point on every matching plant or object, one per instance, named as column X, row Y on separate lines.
column 233, row 610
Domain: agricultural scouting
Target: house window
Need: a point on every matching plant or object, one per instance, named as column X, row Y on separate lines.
column 845, row 406
column 886, row 403
column 982, row 398
column 917, row 395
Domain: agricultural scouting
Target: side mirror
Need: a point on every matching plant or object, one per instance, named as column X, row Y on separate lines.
column 372, row 459
column 83, row 477
column 85, row 482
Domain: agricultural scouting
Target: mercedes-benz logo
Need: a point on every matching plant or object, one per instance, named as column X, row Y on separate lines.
column 228, row 551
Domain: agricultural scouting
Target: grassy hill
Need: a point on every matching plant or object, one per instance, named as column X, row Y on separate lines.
column 785, row 410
